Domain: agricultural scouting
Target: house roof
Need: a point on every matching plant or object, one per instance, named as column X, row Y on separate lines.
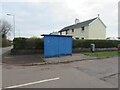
column 81, row 24
column 57, row 35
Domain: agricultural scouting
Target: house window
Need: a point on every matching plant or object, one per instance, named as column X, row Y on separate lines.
column 72, row 30
column 76, row 38
column 60, row 33
column 83, row 28
column 82, row 38
column 66, row 32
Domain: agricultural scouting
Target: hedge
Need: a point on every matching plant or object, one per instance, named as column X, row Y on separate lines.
column 98, row 43
column 28, row 43
column 38, row 43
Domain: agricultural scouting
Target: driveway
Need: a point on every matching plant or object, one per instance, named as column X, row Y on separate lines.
column 100, row 73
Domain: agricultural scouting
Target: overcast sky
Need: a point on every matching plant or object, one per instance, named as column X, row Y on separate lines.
column 36, row 17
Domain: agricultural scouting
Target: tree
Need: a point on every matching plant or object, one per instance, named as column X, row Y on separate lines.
column 5, row 28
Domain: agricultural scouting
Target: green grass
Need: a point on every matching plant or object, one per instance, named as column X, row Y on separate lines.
column 102, row 54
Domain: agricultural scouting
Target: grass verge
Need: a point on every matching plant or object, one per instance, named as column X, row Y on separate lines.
column 102, row 54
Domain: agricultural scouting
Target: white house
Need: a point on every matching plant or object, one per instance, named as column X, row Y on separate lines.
column 90, row 29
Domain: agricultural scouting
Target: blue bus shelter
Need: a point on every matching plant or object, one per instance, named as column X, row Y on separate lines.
column 57, row 45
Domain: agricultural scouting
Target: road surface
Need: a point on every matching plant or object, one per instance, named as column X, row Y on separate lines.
column 3, row 51
column 100, row 73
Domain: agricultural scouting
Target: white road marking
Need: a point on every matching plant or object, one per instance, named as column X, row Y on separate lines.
column 33, row 83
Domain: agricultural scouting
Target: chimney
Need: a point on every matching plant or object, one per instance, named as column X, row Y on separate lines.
column 77, row 21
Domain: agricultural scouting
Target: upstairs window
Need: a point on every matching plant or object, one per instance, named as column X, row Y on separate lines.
column 82, row 38
column 60, row 33
column 76, row 38
column 83, row 28
column 66, row 32
column 72, row 30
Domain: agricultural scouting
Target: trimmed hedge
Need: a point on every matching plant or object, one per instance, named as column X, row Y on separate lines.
column 98, row 43
column 28, row 43
column 38, row 43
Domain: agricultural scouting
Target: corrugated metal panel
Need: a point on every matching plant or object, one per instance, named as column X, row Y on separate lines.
column 57, row 45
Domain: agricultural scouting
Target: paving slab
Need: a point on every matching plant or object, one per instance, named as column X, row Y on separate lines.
column 74, row 57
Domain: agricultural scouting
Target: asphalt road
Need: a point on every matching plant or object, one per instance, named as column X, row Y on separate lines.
column 3, row 51
column 83, row 74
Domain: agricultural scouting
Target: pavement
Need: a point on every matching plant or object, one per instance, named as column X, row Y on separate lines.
column 21, row 59
column 7, row 58
column 65, row 59
column 39, row 60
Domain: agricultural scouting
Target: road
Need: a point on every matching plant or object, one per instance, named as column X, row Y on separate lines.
column 3, row 51
column 100, row 73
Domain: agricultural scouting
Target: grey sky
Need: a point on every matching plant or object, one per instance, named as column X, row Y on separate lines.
column 37, row 17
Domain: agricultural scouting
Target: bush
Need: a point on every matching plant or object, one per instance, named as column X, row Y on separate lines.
column 98, row 43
